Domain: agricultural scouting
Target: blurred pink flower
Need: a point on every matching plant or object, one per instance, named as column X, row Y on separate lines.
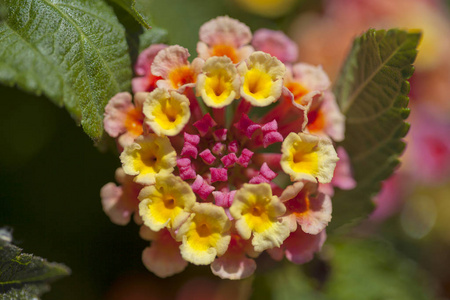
column 146, row 82
column 119, row 202
column 427, row 156
column 276, row 43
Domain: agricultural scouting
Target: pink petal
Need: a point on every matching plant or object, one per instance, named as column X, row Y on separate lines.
column 145, row 59
column 110, row 194
column 334, row 119
column 232, row 266
column 300, row 247
column 139, row 84
column 276, row 43
column 119, row 202
column 169, row 59
column 225, row 30
column 312, row 77
column 116, row 113
column 163, row 257
column 391, row 197
column 276, row 253
column 343, row 177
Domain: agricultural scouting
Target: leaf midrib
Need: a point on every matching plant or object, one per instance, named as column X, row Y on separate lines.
column 361, row 87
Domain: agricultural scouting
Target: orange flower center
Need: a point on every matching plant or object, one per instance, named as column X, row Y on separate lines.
column 181, row 76
column 152, row 79
column 297, row 90
column 298, row 205
column 316, row 121
column 133, row 122
column 225, row 50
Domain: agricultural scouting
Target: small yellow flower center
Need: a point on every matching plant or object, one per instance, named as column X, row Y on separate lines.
column 218, row 87
column 169, row 202
column 256, row 211
column 258, row 84
column 203, row 230
column 304, row 160
column 168, row 114
column 149, row 159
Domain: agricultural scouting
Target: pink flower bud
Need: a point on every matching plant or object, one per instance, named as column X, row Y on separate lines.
column 245, row 157
column 186, row 169
column 202, row 188
column 229, row 160
column 218, row 174
column 247, row 126
column 207, row 156
column 205, row 124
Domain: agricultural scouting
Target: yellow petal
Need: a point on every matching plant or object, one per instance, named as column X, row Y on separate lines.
column 148, row 156
column 309, row 157
column 262, row 79
column 257, row 212
column 167, row 203
column 166, row 112
column 205, row 234
column 218, row 85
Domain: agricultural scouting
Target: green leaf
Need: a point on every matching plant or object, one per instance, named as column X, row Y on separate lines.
column 288, row 282
column 27, row 292
column 74, row 52
column 155, row 35
column 373, row 270
column 183, row 18
column 352, row 269
column 372, row 92
column 130, row 7
column 24, row 276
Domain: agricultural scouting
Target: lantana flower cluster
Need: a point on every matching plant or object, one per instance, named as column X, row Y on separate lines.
column 228, row 155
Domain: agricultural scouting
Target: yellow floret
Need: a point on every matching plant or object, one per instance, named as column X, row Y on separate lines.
column 166, row 112
column 167, row 203
column 257, row 211
column 218, row 85
column 262, row 79
column 205, row 234
column 148, row 156
column 305, row 156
